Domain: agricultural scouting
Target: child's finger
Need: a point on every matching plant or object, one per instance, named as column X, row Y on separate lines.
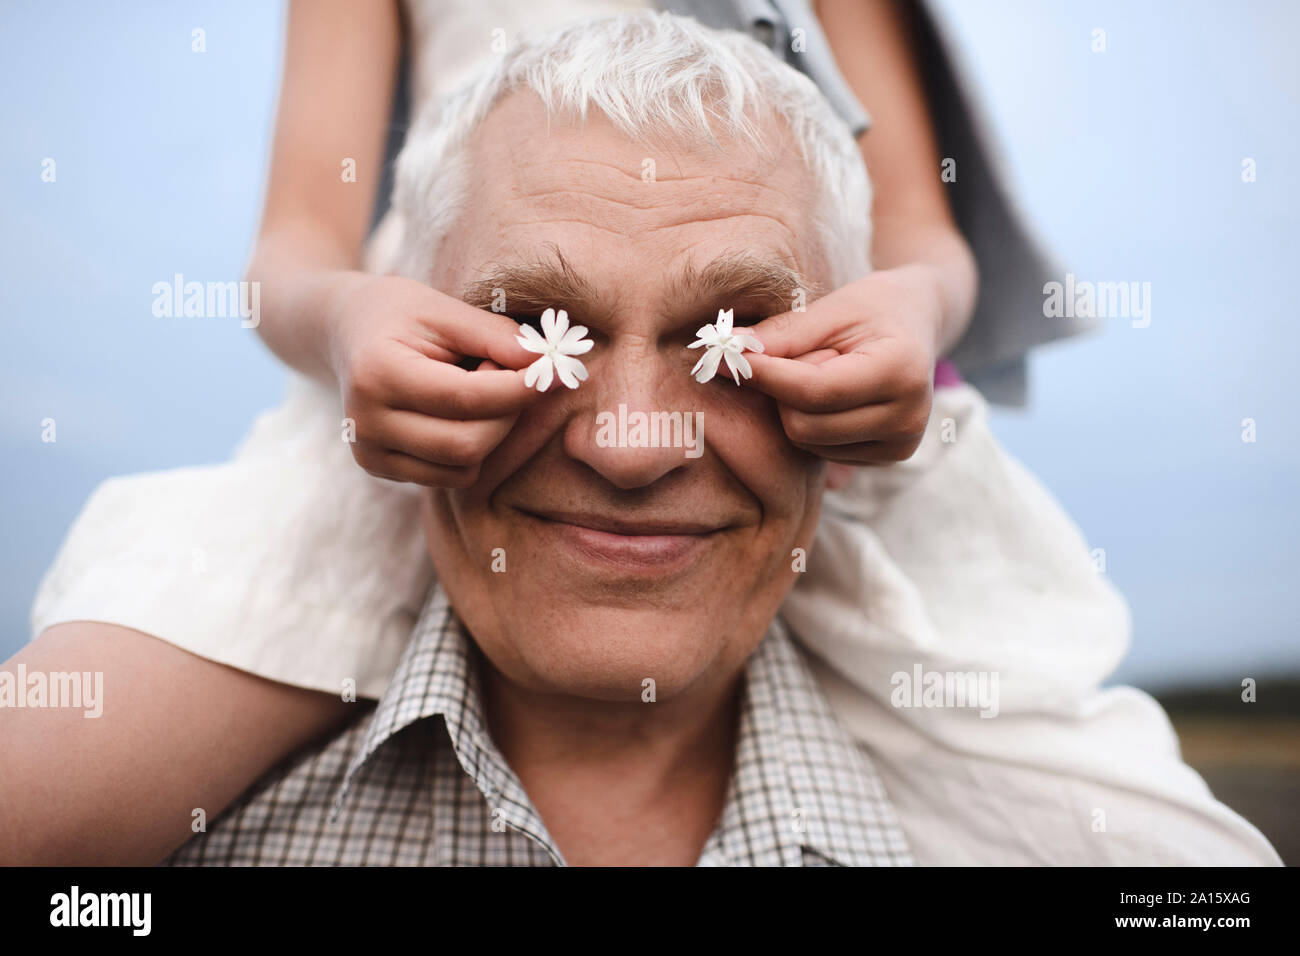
column 885, row 421
column 791, row 334
column 447, row 391
column 396, row 466
column 865, row 453
column 838, row 383
column 465, row 330
column 817, row 357
column 458, row 444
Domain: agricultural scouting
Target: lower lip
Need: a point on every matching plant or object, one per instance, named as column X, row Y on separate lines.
column 661, row 553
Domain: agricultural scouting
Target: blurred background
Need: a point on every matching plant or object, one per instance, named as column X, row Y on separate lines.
column 1128, row 161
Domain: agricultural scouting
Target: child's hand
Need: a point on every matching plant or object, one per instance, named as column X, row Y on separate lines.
column 853, row 376
column 394, row 345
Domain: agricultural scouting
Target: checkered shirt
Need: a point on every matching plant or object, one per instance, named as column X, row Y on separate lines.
column 417, row 780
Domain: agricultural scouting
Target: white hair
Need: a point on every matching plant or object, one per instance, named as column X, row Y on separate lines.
column 655, row 75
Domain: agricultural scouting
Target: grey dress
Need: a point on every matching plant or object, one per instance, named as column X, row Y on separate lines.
column 1013, row 265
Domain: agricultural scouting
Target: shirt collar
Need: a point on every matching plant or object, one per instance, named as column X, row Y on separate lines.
column 800, row 782
column 438, row 676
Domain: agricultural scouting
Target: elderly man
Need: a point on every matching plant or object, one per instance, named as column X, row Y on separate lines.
column 601, row 677
column 604, row 673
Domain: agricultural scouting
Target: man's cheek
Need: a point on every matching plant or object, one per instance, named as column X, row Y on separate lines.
column 536, row 426
column 743, row 428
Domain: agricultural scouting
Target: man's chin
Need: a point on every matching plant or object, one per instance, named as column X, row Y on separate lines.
column 619, row 654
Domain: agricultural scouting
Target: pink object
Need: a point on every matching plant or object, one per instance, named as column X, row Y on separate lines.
column 946, row 374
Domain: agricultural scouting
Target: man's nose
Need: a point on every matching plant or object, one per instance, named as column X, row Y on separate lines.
column 637, row 423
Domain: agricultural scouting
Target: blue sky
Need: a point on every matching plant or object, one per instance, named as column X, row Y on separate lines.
column 1128, row 161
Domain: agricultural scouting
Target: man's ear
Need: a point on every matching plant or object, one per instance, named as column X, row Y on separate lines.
column 838, row 475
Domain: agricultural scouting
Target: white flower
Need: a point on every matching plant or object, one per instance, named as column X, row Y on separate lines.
column 720, row 343
column 557, row 351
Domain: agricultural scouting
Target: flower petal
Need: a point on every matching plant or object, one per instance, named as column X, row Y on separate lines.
column 529, row 339
column 731, row 366
column 561, row 325
column 548, row 325
column 707, row 366
column 571, row 371
column 747, row 341
column 571, row 341
column 546, row 373
column 534, row 372
column 725, row 318
column 739, row 366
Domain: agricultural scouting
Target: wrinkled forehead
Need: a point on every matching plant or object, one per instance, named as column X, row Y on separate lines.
column 588, row 187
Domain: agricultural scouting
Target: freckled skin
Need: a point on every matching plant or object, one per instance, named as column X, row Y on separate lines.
column 556, row 626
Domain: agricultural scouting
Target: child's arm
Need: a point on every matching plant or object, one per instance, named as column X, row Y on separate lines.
column 389, row 344
column 177, row 733
column 912, row 225
column 861, row 393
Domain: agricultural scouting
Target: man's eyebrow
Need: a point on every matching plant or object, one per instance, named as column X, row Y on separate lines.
column 742, row 278
column 532, row 286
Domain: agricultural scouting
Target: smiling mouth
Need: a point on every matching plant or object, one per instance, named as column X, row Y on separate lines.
column 628, row 544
